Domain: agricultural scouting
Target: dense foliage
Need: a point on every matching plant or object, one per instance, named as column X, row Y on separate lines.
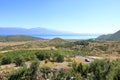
column 97, row 70
column 64, row 51
column 26, row 73
column 20, row 56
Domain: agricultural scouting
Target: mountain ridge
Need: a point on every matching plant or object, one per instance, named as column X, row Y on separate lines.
column 37, row 31
column 109, row 37
column 32, row 31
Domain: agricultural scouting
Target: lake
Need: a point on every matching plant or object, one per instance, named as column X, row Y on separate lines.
column 78, row 37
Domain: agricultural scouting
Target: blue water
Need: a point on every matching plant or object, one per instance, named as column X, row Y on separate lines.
column 78, row 37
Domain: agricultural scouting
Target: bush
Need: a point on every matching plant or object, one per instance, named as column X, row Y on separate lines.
column 18, row 75
column 19, row 61
column 60, row 58
column 26, row 73
column 42, row 56
column 118, row 51
column 117, row 74
column 83, row 43
column 83, row 69
column 6, row 60
column 34, row 68
column 100, row 69
column 103, row 48
column 45, row 69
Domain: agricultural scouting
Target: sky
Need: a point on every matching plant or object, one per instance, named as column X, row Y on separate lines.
column 79, row 16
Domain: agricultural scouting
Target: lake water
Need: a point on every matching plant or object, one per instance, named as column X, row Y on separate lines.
column 78, row 37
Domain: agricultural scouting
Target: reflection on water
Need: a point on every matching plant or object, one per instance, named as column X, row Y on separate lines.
column 70, row 37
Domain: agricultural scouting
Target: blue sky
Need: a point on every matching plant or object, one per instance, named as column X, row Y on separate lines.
column 80, row 16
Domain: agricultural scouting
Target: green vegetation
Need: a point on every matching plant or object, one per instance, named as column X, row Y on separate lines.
column 6, row 60
column 60, row 58
column 17, row 38
column 103, row 48
column 83, row 43
column 20, row 56
column 19, row 61
column 47, row 59
column 45, row 70
column 118, row 51
column 26, row 74
column 98, row 70
column 80, row 47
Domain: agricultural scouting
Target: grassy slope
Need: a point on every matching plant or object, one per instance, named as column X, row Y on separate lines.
column 17, row 38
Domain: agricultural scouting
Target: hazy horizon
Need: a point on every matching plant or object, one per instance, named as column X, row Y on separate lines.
column 55, row 30
column 78, row 16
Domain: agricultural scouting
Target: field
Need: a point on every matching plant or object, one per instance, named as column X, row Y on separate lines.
column 57, row 54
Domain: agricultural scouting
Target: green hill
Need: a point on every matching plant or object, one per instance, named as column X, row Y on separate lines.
column 110, row 37
column 115, row 36
column 58, row 41
column 17, row 38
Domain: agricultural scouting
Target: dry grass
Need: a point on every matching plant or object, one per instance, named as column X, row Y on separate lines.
column 12, row 43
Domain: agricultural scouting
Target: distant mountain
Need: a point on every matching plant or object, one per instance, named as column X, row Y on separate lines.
column 110, row 37
column 104, row 37
column 32, row 31
column 44, row 33
column 17, row 38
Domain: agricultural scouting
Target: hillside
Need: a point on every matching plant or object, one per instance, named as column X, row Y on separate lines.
column 104, row 37
column 110, row 37
column 17, row 38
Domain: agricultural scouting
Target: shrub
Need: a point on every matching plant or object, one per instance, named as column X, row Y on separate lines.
column 42, row 56
column 18, row 75
column 60, row 58
column 19, row 61
column 45, row 69
column 6, row 60
column 118, row 51
column 34, row 68
column 103, row 48
column 117, row 74
column 83, row 43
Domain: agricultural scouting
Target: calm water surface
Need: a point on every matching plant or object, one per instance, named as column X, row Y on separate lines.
column 70, row 37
